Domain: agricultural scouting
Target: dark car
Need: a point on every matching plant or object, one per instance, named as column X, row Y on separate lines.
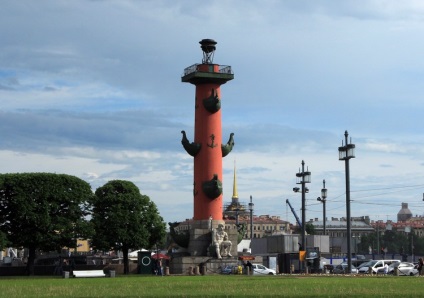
column 357, row 263
column 229, row 269
column 342, row 269
column 328, row 268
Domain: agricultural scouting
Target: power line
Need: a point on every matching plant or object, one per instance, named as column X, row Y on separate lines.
column 384, row 188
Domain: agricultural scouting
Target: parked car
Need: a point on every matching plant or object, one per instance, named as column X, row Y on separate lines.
column 392, row 266
column 359, row 262
column 342, row 269
column 403, row 268
column 229, row 269
column 259, row 269
column 328, row 268
column 375, row 265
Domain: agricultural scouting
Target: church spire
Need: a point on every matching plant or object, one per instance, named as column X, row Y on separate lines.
column 235, row 208
column 235, row 194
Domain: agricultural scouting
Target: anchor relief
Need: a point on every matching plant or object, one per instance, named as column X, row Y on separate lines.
column 212, row 144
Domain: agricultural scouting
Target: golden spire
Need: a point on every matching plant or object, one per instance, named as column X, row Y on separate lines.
column 235, row 194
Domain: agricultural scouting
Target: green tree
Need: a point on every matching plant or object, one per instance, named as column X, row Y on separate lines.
column 310, row 229
column 367, row 241
column 3, row 240
column 395, row 242
column 124, row 219
column 43, row 211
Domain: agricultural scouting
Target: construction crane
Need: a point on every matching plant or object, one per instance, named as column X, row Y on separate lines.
column 294, row 213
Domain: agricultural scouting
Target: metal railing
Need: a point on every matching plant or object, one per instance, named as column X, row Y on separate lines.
column 190, row 69
column 194, row 68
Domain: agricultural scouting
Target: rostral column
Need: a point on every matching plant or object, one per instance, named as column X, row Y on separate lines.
column 207, row 148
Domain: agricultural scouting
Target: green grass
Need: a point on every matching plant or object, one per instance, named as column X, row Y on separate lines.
column 213, row 286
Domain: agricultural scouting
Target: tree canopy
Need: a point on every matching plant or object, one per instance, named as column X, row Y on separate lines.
column 124, row 219
column 393, row 242
column 3, row 240
column 43, row 211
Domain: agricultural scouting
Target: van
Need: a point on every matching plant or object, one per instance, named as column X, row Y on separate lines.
column 375, row 265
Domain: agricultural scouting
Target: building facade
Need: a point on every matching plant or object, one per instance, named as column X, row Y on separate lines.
column 336, row 228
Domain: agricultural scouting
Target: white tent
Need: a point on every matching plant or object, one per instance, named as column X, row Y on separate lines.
column 134, row 253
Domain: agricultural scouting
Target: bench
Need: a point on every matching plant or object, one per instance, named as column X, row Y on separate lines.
column 89, row 273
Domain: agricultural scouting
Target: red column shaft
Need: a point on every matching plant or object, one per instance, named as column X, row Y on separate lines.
column 208, row 162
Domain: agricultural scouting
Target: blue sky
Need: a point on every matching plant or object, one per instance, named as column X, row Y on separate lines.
column 93, row 89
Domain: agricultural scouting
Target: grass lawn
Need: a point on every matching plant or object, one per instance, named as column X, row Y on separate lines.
column 213, row 286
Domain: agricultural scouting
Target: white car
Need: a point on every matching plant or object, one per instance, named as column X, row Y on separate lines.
column 375, row 266
column 403, row 268
column 259, row 269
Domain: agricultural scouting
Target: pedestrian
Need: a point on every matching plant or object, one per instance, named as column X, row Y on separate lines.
column 249, row 266
column 159, row 263
column 420, row 266
column 386, row 268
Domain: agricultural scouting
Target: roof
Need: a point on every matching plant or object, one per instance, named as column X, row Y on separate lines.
column 341, row 224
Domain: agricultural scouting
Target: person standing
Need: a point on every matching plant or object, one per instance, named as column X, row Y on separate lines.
column 420, row 266
column 160, row 272
column 250, row 267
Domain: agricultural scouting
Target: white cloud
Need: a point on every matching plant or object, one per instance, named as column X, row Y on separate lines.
column 92, row 89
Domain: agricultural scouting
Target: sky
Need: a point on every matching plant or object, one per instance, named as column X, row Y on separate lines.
column 92, row 88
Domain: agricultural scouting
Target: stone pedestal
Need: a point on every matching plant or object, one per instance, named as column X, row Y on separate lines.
column 206, row 265
column 201, row 250
column 201, row 238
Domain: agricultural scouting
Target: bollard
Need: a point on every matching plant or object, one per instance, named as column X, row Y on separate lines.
column 167, row 271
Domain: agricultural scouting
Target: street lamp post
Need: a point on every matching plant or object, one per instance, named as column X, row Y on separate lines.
column 323, row 200
column 408, row 230
column 302, row 178
column 251, row 218
column 346, row 152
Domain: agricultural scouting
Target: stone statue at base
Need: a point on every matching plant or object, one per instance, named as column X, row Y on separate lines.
column 221, row 242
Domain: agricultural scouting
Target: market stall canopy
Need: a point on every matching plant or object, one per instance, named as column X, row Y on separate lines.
column 160, row 256
column 246, row 258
